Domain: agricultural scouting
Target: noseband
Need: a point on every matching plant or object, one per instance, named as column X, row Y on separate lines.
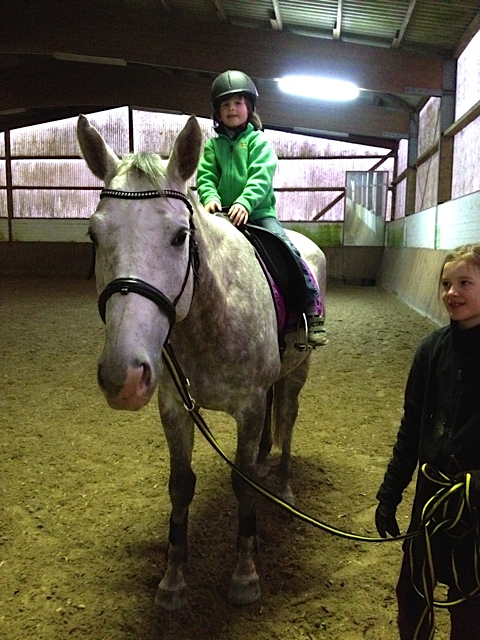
column 126, row 285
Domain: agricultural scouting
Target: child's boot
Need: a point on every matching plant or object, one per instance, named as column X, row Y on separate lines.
column 317, row 336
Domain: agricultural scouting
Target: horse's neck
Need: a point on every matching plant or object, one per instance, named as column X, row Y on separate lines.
column 218, row 243
column 232, row 292
column 226, row 262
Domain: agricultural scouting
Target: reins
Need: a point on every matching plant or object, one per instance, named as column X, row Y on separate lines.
column 126, row 285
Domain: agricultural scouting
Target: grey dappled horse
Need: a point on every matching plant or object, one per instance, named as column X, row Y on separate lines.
column 167, row 269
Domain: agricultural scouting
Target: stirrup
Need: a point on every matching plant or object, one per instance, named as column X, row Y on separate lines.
column 301, row 343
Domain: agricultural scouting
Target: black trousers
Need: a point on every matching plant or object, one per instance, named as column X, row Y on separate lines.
column 464, row 617
column 274, row 225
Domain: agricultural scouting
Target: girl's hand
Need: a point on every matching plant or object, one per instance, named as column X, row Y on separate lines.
column 386, row 521
column 213, row 206
column 238, row 214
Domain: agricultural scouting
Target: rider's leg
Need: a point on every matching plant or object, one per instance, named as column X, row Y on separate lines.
column 314, row 306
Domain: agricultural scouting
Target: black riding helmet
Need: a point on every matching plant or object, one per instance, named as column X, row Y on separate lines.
column 229, row 82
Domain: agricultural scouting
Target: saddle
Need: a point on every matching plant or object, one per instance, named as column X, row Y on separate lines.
column 280, row 264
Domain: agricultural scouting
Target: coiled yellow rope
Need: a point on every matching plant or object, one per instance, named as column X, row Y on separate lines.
column 450, row 510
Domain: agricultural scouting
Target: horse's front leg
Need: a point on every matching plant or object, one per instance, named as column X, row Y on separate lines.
column 178, row 427
column 245, row 583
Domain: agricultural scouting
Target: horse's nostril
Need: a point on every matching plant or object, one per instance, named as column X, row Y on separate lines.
column 106, row 384
column 147, row 373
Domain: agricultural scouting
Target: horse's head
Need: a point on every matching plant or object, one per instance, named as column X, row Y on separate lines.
column 142, row 232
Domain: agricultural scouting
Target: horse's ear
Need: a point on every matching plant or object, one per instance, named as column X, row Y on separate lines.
column 100, row 158
column 186, row 151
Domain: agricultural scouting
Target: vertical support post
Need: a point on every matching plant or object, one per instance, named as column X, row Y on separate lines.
column 447, row 118
column 9, row 184
column 411, row 180
column 131, row 141
column 393, row 188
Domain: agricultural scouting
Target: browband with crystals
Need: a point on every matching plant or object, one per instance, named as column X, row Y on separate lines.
column 139, row 195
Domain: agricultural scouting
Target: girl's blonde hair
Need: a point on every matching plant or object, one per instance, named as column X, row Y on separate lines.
column 467, row 252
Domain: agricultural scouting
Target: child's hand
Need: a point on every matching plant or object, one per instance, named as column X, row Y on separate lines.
column 238, row 214
column 213, row 206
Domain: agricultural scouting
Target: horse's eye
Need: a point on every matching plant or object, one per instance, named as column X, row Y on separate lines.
column 180, row 238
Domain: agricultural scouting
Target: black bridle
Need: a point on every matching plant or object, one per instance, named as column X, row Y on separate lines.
column 125, row 286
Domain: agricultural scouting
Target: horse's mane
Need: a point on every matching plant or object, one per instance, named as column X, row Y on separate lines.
column 151, row 165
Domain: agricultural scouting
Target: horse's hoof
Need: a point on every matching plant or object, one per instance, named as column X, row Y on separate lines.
column 287, row 496
column 171, row 600
column 244, row 591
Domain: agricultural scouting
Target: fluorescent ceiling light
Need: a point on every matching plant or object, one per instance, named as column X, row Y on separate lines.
column 73, row 57
column 12, row 112
column 319, row 132
column 319, row 88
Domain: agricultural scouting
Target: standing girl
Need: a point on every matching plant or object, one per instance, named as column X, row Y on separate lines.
column 440, row 431
column 236, row 172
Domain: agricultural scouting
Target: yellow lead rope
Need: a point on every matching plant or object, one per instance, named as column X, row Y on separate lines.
column 437, row 506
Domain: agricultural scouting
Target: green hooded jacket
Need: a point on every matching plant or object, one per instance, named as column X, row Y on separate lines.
column 239, row 170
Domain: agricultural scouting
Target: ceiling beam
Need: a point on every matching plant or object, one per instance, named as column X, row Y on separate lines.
column 143, row 36
column 220, row 10
column 406, row 21
column 71, row 83
column 276, row 21
column 337, row 31
column 165, row 4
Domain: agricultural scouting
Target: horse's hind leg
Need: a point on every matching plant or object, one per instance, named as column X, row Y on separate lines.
column 266, row 441
column 245, row 583
column 285, row 411
column 171, row 593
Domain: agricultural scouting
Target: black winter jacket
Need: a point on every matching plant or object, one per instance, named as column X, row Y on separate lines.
column 441, row 421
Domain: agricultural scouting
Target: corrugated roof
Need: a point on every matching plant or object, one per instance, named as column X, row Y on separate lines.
column 427, row 27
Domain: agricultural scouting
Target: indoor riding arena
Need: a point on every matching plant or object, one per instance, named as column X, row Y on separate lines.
column 386, row 187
